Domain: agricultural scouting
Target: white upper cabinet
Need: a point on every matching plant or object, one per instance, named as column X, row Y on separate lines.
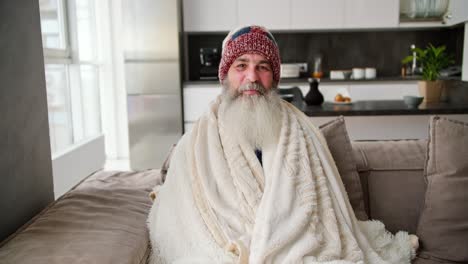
column 209, row 15
column 371, row 14
column 317, row 14
column 457, row 12
column 272, row 14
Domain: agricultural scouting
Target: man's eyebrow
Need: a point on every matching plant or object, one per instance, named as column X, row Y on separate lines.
column 242, row 59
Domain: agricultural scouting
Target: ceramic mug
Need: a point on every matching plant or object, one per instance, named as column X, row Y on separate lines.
column 370, row 73
column 358, row 73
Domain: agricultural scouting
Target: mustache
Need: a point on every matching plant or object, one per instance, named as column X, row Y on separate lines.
column 252, row 86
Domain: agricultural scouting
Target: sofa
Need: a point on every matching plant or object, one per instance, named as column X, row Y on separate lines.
column 103, row 219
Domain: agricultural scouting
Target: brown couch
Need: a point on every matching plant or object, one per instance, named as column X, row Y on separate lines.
column 103, row 220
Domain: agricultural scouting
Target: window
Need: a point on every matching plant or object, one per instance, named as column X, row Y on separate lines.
column 72, row 71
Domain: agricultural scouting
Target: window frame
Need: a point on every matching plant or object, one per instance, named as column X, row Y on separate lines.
column 58, row 55
column 69, row 56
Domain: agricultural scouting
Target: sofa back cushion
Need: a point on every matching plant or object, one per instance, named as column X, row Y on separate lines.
column 443, row 226
column 340, row 147
column 392, row 174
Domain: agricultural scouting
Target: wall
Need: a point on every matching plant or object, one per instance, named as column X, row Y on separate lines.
column 343, row 50
column 25, row 160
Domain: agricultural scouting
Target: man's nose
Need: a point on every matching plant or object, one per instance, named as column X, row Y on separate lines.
column 252, row 74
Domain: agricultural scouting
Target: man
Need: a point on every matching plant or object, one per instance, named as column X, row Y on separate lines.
column 254, row 181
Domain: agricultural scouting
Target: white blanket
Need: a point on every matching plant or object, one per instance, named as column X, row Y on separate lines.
column 219, row 205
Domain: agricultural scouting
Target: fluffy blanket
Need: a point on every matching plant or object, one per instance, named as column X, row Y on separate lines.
column 219, row 205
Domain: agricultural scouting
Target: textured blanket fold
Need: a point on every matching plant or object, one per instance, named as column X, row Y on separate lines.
column 219, row 205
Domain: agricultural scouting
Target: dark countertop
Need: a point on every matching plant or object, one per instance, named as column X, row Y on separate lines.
column 326, row 80
column 383, row 107
column 375, row 80
column 385, row 79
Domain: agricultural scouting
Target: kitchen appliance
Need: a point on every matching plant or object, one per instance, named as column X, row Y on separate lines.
column 209, row 62
column 152, row 79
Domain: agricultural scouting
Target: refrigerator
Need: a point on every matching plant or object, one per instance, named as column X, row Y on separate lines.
column 152, row 31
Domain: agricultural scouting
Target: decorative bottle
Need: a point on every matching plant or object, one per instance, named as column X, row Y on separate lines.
column 314, row 96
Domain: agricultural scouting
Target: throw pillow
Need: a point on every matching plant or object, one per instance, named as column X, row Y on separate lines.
column 443, row 224
column 340, row 147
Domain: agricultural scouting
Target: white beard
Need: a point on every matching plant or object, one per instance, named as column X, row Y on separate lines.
column 251, row 119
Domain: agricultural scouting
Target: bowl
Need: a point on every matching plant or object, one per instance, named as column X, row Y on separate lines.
column 412, row 101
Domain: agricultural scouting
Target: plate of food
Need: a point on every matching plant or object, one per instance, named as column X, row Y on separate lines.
column 342, row 100
column 342, row 103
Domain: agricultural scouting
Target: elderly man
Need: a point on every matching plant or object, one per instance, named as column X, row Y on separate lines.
column 254, row 181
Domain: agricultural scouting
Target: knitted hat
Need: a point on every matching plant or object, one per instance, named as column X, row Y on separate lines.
column 249, row 39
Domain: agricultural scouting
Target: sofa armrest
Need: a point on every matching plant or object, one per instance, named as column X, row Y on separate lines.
column 102, row 220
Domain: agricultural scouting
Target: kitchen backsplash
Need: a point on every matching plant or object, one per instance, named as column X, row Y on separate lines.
column 340, row 50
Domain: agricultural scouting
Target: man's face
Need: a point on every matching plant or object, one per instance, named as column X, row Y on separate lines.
column 251, row 109
column 248, row 69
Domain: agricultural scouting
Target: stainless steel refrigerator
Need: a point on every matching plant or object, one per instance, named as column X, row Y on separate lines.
column 152, row 79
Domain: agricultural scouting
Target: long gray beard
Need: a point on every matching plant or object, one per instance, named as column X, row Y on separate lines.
column 255, row 120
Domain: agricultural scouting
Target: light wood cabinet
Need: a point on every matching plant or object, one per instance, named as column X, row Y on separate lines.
column 209, row 15
column 197, row 99
column 457, row 12
column 223, row 15
column 317, row 14
column 272, row 14
column 382, row 91
column 371, row 14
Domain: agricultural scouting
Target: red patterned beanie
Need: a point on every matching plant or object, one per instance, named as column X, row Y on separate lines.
column 249, row 39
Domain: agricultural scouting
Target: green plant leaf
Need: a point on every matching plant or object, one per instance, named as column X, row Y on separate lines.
column 432, row 60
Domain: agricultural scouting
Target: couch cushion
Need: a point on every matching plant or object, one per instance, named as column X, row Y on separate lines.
column 102, row 220
column 393, row 171
column 340, row 147
column 443, row 226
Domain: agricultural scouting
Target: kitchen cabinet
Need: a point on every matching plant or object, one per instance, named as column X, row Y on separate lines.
column 392, row 91
column 371, row 14
column 341, row 14
column 197, row 99
column 223, row 15
column 457, row 12
column 209, row 15
column 317, row 14
column 272, row 14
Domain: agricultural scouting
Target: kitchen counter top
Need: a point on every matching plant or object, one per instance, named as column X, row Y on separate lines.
column 378, row 79
column 381, row 107
column 385, row 79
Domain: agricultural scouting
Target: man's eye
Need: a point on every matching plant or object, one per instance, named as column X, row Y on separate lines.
column 264, row 68
column 241, row 66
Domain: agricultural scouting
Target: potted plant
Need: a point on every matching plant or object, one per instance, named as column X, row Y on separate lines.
column 432, row 60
